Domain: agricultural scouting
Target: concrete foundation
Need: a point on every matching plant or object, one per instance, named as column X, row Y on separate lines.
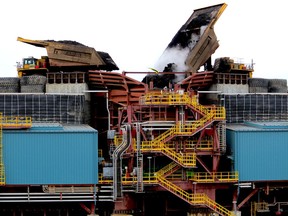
column 68, row 88
column 218, row 89
column 230, row 88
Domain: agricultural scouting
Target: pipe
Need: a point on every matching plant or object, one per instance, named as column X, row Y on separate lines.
column 117, row 161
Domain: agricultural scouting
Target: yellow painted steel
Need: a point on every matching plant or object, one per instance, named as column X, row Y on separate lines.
column 190, row 145
column 205, row 177
column 166, row 169
column 186, row 159
column 173, row 98
column 102, row 180
column 117, row 140
column 193, row 199
column 100, row 153
column 15, row 122
column 10, row 122
column 2, row 168
column 205, row 144
column 259, row 207
column 179, row 98
column 175, row 177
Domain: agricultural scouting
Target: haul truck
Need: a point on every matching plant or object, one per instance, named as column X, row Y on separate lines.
column 64, row 56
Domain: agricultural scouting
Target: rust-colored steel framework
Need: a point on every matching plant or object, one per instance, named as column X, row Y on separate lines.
column 168, row 125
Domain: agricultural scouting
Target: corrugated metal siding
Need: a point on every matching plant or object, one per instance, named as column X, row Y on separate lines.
column 62, row 156
column 259, row 155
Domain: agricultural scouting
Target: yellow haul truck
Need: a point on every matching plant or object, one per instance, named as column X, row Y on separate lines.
column 64, row 56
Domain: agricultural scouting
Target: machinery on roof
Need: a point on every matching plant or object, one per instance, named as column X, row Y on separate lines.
column 161, row 145
column 197, row 39
column 64, row 56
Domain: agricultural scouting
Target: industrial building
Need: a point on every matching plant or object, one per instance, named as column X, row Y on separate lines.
column 79, row 139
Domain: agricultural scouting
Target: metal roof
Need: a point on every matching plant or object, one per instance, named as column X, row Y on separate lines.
column 57, row 127
column 258, row 126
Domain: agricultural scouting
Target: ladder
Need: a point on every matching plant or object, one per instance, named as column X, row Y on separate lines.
column 140, row 185
column 2, row 169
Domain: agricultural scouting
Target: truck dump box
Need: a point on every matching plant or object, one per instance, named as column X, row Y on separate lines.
column 197, row 35
column 73, row 54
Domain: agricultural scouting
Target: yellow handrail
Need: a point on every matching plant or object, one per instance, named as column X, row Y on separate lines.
column 16, row 122
column 215, row 177
column 158, row 178
column 186, row 159
column 205, row 144
column 259, row 206
column 193, row 199
column 2, row 168
column 117, row 140
column 166, row 169
column 175, row 98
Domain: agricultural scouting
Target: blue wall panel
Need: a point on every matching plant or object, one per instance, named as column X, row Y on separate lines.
column 64, row 156
column 259, row 155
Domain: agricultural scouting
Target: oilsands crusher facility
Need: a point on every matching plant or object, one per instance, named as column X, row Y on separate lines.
column 80, row 138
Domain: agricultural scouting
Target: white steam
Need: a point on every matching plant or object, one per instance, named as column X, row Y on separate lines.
column 178, row 55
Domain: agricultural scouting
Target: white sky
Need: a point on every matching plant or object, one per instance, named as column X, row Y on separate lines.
column 135, row 33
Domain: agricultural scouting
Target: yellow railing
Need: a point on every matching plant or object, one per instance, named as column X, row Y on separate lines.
column 205, row 144
column 2, row 168
column 183, row 129
column 178, row 129
column 193, row 199
column 130, row 180
column 190, row 127
column 102, row 180
column 259, row 207
column 166, row 169
column 215, row 177
column 158, row 178
column 186, row 159
column 178, row 176
column 117, row 140
column 177, row 98
column 172, row 98
column 100, row 153
column 211, row 113
column 16, row 122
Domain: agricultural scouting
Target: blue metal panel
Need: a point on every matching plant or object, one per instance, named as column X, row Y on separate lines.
column 67, row 155
column 259, row 154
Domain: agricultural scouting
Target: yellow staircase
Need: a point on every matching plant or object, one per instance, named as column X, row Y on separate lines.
column 210, row 114
column 187, row 159
column 175, row 98
column 168, row 169
column 189, row 129
column 161, row 143
column 193, row 199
